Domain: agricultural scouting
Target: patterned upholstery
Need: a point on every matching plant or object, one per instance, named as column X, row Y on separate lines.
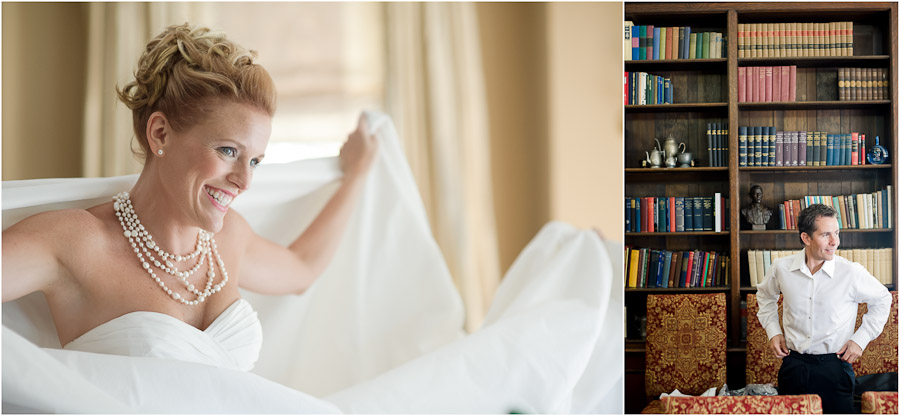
column 685, row 343
column 655, row 407
column 880, row 356
column 762, row 365
column 880, row 402
column 802, row 404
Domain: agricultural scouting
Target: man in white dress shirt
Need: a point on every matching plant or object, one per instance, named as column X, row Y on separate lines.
column 821, row 293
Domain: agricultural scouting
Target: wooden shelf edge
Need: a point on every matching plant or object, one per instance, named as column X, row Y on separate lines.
column 810, row 168
column 677, row 289
column 800, row 105
column 678, row 234
column 676, row 170
column 843, row 230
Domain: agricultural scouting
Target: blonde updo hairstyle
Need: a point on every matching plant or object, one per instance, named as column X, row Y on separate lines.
column 184, row 70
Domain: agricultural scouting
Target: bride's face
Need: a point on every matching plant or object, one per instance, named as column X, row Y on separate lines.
column 212, row 162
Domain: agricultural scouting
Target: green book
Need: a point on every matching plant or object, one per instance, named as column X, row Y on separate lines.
column 706, row 38
column 692, row 48
column 662, row 42
column 699, row 45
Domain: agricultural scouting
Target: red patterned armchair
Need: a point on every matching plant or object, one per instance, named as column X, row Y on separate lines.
column 762, row 365
column 802, row 404
column 685, row 344
column 880, row 356
column 880, row 402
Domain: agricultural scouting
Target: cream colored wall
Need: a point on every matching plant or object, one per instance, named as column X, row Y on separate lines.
column 554, row 97
column 514, row 58
column 43, row 89
column 586, row 113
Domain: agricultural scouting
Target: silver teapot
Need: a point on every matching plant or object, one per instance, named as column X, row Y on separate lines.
column 671, row 146
column 655, row 158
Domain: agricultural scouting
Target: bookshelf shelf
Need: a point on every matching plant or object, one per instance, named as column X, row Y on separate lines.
column 794, row 232
column 677, row 289
column 812, row 168
column 657, row 108
column 714, row 85
column 669, row 171
column 717, row 64
column 679, row 234
column 814, row 105
column 819, row 61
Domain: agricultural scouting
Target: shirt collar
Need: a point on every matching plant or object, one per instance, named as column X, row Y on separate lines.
column 799, row 263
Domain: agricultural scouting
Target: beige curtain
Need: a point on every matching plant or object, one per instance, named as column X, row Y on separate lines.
column 435, row 93
column 117, row 33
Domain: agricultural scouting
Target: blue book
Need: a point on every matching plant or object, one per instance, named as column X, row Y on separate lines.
column 707, row 213
column 636, row 50
column 637, row 216
column 771, row 137
column 781, row 217
column 679, row 214
column 847, row 148
column 669, row 91
column 667, row 266
column 686, row 48
column 742, row 145
column 655, row 43
column 654, row 206
column 829, row 150
column 689, row 214
column 627, row 214
column 664, row 213
column 661, row 266
column 698, row 214
column 763, row 146
column 660, row 90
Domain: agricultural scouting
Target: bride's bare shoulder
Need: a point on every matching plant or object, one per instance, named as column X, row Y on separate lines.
column 72, row 222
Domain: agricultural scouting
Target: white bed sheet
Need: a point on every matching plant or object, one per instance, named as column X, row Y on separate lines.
column 379, row 332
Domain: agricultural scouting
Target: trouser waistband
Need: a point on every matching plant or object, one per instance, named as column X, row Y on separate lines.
column 815, row 358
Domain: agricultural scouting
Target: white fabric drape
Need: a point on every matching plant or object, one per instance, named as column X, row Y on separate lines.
column 435, row 92
column 117, row 34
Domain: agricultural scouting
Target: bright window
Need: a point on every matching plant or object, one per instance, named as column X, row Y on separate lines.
column 327, row 61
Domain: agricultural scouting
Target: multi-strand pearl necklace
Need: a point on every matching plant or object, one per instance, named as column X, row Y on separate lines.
column 142, row 243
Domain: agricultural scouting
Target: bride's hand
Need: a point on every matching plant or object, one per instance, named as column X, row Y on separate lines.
column 359, row 150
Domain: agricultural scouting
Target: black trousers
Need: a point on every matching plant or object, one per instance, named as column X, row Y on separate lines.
column 825, row 375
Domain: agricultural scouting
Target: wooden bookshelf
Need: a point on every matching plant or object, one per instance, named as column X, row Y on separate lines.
column 706, row 91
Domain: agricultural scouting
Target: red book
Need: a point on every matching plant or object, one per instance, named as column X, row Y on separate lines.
column 690, row 267
column 651, row 212
column 795, row 210
column 751, row 83
column 670, row 42
column 854, row 148
column 792, row 84
column 626, row 87
column 742, row 84
column 761, row 83
column 776, row 84
column 862, row 149
column 785, row 83
column 672, row 215
column 787, row 215
column 768, row 84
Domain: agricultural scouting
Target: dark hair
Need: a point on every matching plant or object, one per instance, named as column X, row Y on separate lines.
column 806, row 222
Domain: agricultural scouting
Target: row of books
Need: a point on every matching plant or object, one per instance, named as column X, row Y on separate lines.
column 717, row 143
column 856, row 211
column 764, row 146
column 761, row 40
column 676, row 214
column 674, row 269
column 767, row 84
column 650, row 42
column 642, row 88
column 863, row 84
column 876, row 260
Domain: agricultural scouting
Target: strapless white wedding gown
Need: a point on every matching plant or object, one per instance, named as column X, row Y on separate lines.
column 232, row 341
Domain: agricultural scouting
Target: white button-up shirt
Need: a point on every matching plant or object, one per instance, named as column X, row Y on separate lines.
column 820, row 309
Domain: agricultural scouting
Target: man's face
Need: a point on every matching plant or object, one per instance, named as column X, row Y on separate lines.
column 823, row 242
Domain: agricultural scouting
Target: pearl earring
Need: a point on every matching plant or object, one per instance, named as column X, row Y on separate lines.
column 159, row 152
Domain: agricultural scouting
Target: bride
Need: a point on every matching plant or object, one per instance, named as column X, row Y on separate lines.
column 202, row 112
column 144, row 289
